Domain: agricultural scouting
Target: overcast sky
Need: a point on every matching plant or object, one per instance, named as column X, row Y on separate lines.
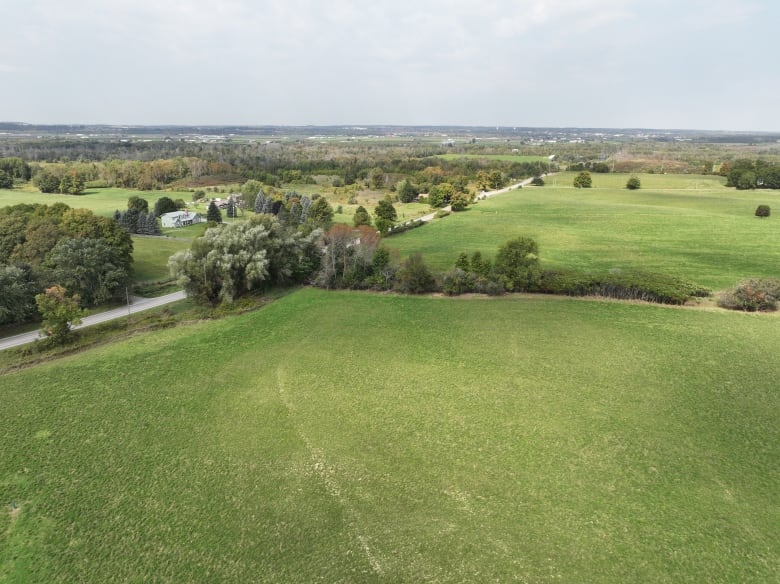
column 699, row 64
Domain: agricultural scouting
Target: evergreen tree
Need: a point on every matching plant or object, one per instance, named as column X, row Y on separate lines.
column 385, row 215
column 305, row 206
column 406, row 191
column 123, row 221
column 131, row 220
column 295, row 214
column 259, row 202
column 283, row 215
column 463, row 262
column 385, row 210
column 480, row 266
column 151, row 224
column 231, row 209
column 213, row 213
column 361, row 217
column 268, row 206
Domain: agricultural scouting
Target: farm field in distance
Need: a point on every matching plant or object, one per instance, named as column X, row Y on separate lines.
column 502, row 157
column 358, row 437
column 690, row 226
column 100, row 201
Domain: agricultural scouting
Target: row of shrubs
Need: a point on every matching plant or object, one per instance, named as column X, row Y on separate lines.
column 403, row 227
column 644, row 286
column 516, row 268
column 649, row 287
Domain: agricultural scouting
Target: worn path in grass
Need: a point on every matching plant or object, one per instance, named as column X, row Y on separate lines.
column 332, row 437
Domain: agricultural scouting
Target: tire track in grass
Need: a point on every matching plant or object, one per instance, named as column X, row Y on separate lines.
column 328, row 476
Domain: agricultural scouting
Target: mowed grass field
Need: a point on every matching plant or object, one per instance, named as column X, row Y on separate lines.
column 150, row 256
column 100, row 201
column 686, row 225
column 348, row 437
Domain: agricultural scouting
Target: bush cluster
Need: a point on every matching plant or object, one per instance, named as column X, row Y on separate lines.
column 755, row 295
column 403, row 227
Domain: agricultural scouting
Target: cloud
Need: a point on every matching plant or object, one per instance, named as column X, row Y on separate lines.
column 401, row 61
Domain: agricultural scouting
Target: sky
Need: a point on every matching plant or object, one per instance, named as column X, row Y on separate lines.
column 688, row 64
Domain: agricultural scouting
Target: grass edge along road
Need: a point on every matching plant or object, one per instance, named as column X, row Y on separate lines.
column 519, row 438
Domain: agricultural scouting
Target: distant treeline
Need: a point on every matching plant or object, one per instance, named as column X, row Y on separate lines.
column 751, row 174
column 159, row 165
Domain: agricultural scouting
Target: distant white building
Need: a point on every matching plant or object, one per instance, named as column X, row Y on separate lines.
column 180, row 219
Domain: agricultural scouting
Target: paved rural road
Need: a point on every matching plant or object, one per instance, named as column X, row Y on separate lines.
column 483, row 195
column 138, row 305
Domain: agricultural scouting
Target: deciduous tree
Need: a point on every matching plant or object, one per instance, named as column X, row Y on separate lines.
column 6, row 180
column 59, row 312
column 320, row 214
column 17, row 303
column 164, row 205
column 414, row 277
column 241, row 257
column 517, row 264
column 90, row 268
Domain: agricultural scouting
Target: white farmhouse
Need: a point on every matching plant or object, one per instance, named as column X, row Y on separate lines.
column 180, row 218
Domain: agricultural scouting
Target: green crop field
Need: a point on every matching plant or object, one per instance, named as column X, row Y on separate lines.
column 685, row 225
column 348, row 437
column 99, row 201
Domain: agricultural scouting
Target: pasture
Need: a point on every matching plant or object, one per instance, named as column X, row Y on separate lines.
column 370, row 438
column 685, row 225
column 100, row 201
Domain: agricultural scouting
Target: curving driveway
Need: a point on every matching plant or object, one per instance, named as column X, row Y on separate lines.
column 483, row 195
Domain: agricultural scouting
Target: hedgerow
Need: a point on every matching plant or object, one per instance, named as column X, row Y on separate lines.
column 649, row 287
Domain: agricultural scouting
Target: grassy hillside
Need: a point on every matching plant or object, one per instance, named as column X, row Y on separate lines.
column 354, row 437
column 689, row 226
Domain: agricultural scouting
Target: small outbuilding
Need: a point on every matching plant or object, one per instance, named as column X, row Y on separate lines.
column 180, row 219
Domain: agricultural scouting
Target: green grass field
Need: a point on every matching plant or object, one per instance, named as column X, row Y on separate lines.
column 150, row 256
column 346, row 437
column 689, row 226
column 100, row 201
